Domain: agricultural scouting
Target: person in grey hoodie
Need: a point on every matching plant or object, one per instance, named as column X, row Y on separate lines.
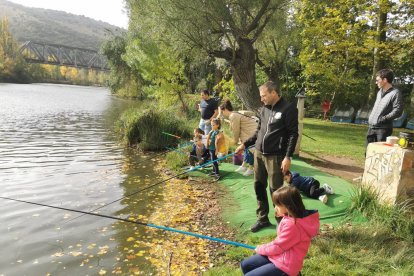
column 388, row 106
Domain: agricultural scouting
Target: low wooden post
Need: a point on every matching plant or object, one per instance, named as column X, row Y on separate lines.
column 301, row 114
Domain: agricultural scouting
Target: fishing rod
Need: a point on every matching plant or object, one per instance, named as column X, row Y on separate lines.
column 169, row 134
column 182, row 152
column 158, row 183
column 308, row 136
column 163, row 152
column 165, row 228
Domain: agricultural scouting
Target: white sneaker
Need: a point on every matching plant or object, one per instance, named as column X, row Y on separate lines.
column 323, row 198
column 248, row 172
column 241, row 169
column 328, row 189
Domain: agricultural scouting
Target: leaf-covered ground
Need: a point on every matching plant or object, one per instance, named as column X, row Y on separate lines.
column 189, row 205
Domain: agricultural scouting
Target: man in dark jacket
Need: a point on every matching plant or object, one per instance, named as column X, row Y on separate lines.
column 388, row 106
column 209, row 110
column 275, row 140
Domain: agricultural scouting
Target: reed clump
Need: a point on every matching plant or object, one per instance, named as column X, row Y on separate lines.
column 149, row 128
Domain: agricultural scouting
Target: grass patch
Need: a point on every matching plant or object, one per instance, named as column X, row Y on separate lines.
column 398, row 218
column 176, row 160
column 336, row 139
column 359, row 250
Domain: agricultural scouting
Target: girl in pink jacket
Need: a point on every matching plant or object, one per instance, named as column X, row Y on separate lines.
column 285, row 254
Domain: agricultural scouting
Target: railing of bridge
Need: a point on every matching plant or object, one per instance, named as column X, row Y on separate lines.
column 54, row 54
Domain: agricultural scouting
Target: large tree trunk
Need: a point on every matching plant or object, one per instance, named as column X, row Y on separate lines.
column 244, row 75
column 383, row 6
column 411, row 110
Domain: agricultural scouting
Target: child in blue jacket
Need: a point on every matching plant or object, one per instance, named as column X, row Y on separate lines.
column 199, row 153
column 309, row 186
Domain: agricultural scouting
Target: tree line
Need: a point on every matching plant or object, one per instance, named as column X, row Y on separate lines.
column 332, row 49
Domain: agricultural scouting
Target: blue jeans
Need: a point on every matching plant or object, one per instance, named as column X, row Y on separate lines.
column 260, row 265
column 247, row 157
column 205, row 125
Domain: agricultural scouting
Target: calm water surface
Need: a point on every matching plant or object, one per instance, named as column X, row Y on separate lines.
column 56, row 148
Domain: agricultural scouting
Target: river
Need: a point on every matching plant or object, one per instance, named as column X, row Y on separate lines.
column 57, row 148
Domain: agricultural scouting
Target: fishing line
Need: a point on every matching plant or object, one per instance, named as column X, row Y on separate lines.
column 165, row 228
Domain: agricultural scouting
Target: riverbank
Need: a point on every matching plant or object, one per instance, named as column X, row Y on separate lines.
column 192, row 205
column 227, row 211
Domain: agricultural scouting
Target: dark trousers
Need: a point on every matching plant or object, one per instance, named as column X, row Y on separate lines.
column 194, row 160
column 315, row 191
column 377, row 135
column 266, row 167
column 260, row 265
column 213, row 157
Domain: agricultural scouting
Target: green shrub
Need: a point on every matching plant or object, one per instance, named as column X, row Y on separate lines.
column 147, row 128
column 193, row 100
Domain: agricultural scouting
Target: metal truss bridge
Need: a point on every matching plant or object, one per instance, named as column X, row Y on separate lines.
column 46, row 53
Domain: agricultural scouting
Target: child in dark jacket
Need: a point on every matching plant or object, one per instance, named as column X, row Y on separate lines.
column 309, row 186
column 199, row 153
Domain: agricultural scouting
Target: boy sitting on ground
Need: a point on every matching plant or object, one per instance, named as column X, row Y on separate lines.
column 309, row 186
column 199, row 153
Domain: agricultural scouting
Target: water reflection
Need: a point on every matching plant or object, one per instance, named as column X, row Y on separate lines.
column 56, row 148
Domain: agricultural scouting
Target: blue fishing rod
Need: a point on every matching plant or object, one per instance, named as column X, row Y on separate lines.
column 160, row 227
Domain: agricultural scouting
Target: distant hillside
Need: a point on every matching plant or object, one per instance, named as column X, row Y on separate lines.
column 43, row 25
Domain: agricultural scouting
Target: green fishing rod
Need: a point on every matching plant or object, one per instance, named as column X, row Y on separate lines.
column 172, row 135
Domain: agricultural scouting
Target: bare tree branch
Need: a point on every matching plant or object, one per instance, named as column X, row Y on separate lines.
column 227, row 53
column 259, row 16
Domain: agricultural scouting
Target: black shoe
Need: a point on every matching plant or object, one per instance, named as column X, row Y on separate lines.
column 259, row 225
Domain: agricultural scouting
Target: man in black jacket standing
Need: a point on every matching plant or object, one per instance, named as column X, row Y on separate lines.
column 388, row 106
column 275, row 141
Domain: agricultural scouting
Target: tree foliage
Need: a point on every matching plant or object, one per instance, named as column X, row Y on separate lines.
column 330, row 48
column 12, row 65
column 220, row 29
column 335, row 56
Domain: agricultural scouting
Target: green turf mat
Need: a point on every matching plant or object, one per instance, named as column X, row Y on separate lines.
column 239, row 206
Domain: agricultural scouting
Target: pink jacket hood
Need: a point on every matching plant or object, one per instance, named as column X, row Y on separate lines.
column 293, row 240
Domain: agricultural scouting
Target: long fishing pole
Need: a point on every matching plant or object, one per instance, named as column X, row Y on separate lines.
column 308, row 136
column 165, row 228
column 163, row 152
column 157, row 183
column 179, row 151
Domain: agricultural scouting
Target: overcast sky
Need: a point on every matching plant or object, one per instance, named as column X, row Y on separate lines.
column 110, row 11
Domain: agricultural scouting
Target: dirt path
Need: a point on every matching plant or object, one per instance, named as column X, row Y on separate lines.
column 343, row 167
